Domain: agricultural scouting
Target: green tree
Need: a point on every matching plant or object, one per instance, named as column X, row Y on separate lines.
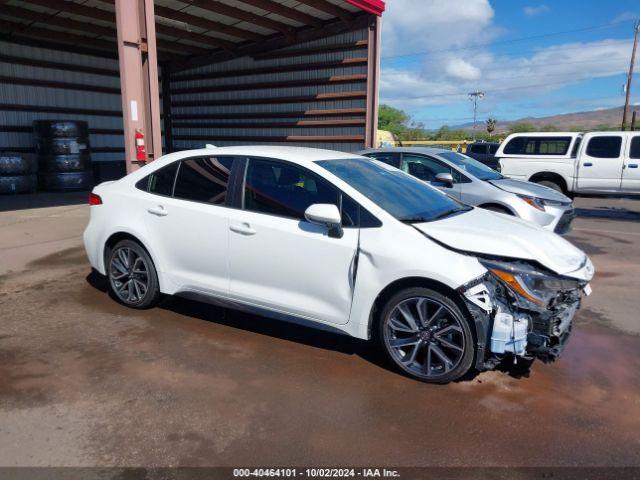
column 491, row 125
column 392, row 120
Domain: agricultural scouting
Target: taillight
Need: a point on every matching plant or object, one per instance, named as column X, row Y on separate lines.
column 94, row 199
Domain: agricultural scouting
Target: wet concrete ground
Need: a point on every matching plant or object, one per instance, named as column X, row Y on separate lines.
column 86, row 382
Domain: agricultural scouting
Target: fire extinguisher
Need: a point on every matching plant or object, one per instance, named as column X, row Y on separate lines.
column 141, row 153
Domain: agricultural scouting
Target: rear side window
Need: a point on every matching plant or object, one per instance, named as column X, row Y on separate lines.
column 392, row 159
column 204, row 179
column 478, row 149
column 634, row 151
column 604, row 147
column 576, row 146
column 493, row 149
column 161, row 181
column 538, row 145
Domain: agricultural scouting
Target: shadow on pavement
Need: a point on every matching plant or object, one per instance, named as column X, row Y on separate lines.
column 42, row 200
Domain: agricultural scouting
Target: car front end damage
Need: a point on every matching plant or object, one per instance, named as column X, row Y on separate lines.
column 522, row 310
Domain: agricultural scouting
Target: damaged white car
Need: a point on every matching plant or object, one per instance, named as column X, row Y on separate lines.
column 343, row 243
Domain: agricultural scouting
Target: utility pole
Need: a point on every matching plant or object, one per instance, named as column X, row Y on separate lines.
column 474, row 97
column 625, row 112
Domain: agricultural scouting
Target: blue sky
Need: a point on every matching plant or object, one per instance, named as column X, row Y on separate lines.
column 532, row 58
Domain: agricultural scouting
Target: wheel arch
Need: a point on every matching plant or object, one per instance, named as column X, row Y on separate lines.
column 500, row 206
column 410, row 282
column 552, row 177
column 119, row 235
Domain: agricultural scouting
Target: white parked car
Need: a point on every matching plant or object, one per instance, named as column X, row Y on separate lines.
column 344, row 243
column 574, row 163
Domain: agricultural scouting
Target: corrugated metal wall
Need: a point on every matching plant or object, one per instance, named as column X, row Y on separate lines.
column 40, row 84
column 311, row 94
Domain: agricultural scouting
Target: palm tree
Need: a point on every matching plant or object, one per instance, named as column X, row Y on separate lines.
column 491, row 125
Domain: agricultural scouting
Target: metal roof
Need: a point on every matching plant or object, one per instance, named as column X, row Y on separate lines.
column 184, row 29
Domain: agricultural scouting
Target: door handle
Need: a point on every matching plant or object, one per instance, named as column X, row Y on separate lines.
column 242, row 229
column 633, row 165
column 158, row 211
column 588, row 164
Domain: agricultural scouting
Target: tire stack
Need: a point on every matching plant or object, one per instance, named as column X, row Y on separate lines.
column 64, row 157
column 18, row 173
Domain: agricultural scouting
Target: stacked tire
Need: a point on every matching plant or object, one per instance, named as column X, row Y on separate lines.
column 64, row 156
column 18, row 172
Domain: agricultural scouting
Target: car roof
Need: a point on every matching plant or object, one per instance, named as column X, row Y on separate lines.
column 423, row 150
column 300, row 155
column 546, row 134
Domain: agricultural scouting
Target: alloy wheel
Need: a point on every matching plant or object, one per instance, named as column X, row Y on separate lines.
column 424, row 337
column 129, row 275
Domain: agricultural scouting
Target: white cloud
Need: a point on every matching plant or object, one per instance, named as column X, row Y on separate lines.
column 417, row 25
column 531, row 10
column 461, row 70
column 503, row 78
column 626, row 17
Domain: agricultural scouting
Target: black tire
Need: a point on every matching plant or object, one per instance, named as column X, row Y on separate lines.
column 131, row 294
column 60, row 128
column 10, row 184
column 551, row 184
column 64, row 163
column 69, row 181
column 442, row 314
column 14, row 163
column 63, row 146
column 497, row 209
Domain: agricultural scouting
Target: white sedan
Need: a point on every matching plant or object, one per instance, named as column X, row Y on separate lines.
column 343, row 243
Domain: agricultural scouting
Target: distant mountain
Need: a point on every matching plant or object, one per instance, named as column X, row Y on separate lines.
column 568, row 121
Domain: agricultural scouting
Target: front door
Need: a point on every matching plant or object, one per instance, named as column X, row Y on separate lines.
column 426, row 169
column 631, row 171
column 188, row 222
column 600, row 164
column 277, row 259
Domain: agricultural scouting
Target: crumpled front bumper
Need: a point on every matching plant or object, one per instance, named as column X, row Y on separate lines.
column 539, row 334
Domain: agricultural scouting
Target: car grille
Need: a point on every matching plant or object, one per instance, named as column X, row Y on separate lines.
column 564, row 224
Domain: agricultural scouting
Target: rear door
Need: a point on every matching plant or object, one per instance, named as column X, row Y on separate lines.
column 280, row 261
column 601, row 161
column 390, row 158
column 631, row 171
column 187, row 218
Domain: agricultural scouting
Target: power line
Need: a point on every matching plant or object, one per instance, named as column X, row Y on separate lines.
column 501, row 42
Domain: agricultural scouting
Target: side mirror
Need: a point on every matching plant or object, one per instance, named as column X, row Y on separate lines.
column 445, row 178
column 325, row 214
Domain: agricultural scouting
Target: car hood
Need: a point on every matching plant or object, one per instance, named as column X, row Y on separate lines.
column 484, row 232
column 530, row 189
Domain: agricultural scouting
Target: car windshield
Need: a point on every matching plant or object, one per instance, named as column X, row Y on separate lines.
column 403, row 196
column 474, row 167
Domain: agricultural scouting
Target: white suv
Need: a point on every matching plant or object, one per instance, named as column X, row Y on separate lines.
column 345, row 243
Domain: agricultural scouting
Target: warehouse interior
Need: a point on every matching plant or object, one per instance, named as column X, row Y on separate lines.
column 290, row 72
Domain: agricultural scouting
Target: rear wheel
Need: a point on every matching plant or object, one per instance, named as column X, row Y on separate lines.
column 426, row 335
column 133, row 280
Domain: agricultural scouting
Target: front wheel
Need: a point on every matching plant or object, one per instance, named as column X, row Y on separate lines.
column 133, row 280
column 426, row 335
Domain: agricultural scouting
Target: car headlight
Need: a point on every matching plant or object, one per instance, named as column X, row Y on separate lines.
column 535, row 202
column 531, row 288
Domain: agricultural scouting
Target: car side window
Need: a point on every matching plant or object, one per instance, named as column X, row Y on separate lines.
column 634, row 150
column 161, row 181
column 604, row 146
column 204, row 179
column 423, row 168
column 392, row 159
column 493, row 149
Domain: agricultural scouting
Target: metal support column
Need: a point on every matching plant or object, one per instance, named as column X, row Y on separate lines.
column 138, row 78
column 373, row 77
column 166, row 108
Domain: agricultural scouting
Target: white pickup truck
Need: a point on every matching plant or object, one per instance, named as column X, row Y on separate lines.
column 574, row 163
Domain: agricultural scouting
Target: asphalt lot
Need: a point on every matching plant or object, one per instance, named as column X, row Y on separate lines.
column 87, row 382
